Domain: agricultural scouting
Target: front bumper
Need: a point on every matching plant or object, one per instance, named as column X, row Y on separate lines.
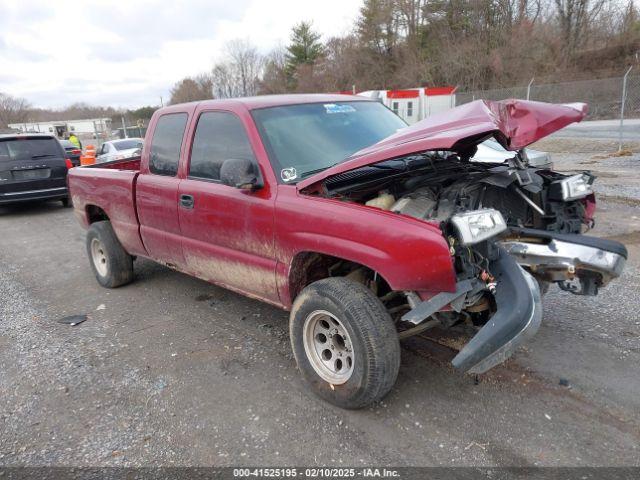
column 551, row 257
column 523, row 254
column 517, row 318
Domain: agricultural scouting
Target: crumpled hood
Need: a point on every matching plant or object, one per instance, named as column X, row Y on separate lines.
column 513, row 123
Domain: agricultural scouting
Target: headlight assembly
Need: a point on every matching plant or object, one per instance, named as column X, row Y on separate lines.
column 572, row 188
column 478, row 225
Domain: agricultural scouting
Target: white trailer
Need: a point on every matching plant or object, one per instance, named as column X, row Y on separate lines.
column 415, row 104
column 84, row 128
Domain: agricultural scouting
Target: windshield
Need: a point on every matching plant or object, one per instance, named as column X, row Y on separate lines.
column 29, row 148
column 127, row 144
column 305, row 139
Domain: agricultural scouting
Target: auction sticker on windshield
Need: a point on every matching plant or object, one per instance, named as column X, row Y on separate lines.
column 335, row 108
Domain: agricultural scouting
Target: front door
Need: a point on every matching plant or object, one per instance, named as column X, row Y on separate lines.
column 227, row 233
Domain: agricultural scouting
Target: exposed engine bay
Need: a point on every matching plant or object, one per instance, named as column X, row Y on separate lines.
column 445, row 188
column 434, row 186
column 512, row 231
column 483, row 210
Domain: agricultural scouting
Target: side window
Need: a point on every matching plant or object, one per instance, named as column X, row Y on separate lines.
column 166, row 143
column 219, row 136
column 395, row 107
column 409, row 109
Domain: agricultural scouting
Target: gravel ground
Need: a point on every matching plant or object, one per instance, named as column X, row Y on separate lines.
column 173, row 371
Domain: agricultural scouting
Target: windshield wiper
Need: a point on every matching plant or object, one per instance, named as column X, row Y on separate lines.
column 318, row 170
column 43, row 155
column 312, row 172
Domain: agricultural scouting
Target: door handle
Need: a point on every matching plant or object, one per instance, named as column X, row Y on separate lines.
column 186, row 201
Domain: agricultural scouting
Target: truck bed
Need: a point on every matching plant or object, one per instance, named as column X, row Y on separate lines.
column 132, row 163
column 109, row 189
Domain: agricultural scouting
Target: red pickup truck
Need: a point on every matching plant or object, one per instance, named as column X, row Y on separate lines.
column 366, row 229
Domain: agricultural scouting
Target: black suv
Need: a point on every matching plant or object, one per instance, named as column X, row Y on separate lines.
column 32, row 167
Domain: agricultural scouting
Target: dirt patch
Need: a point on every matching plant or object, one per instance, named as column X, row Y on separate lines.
column 601, row 174
column 606, row 148
column 622, row 153
column 632, row 238
column 632, row 202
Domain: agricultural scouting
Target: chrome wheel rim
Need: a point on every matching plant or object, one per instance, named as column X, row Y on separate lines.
column 328, row 347
column 99, row 257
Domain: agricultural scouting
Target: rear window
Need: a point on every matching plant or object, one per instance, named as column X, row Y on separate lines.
column 128, row 144
column 29, row 148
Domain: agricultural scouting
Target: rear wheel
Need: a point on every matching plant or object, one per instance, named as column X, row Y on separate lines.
column 110, row 263
column 345, row 343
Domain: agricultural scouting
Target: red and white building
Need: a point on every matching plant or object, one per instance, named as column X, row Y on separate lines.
column 415, row 104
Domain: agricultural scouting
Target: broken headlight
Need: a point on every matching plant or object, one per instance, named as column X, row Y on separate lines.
column 572, row 188
column 478, row 225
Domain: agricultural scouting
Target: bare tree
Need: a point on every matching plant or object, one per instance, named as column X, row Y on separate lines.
column 275, row 78
column 238, row 75
column 574, row 17
column 12, row 110
column 192, row 89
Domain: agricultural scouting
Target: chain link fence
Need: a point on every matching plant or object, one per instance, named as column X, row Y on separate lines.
column 604, row 95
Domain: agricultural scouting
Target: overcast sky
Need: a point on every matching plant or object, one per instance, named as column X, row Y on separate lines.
column 128, row 54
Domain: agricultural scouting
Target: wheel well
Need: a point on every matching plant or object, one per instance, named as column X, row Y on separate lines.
column 96, row 214
column 308, row 267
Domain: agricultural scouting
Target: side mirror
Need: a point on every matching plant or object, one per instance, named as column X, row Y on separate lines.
column 240, row 173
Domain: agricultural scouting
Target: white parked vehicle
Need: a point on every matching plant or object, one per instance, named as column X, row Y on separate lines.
column 490, row 151
column 119, row 149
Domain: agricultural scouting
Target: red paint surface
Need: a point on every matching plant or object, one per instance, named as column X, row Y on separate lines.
column 435, row 91
column 403, row 94
column 247, row 241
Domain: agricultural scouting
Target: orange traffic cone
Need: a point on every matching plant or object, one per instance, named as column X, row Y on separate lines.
column 89, row 157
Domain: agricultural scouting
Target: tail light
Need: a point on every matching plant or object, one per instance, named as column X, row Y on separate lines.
column 68, row 163
column 76, row 152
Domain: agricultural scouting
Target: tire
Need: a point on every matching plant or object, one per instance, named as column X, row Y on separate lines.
column 110, row 263
column 371, row 341
column 66, row 202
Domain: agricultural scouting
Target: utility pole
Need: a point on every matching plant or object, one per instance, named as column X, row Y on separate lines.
column 624, row 100
column 124, row 127
column 529, row 87
column 161, row 102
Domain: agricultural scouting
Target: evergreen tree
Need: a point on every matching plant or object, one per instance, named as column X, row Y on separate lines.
column 305, row 47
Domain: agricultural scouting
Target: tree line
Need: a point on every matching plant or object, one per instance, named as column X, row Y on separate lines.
column 472, row 44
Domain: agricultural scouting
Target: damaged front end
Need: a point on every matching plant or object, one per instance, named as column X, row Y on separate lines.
column 512, row 233
column 511, row 236
column 512, row 230
column 494, row 297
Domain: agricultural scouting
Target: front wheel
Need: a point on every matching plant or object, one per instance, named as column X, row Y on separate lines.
column 345, row 343
column 110, row 263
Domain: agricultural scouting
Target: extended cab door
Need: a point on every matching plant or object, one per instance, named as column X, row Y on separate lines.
column 157, row 189
column 227, row 233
